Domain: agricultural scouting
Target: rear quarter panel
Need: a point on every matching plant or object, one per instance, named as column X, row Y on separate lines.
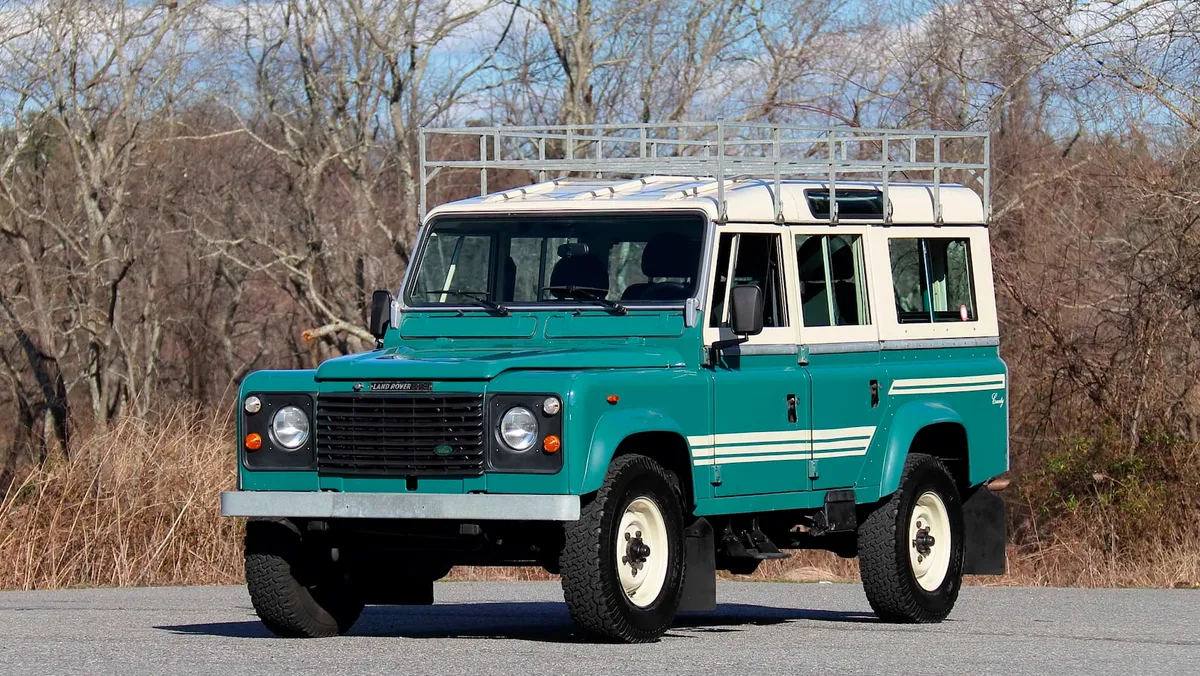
column 967, row 386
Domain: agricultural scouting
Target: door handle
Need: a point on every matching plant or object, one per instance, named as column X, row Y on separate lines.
column 791, row 401
column 874, row 394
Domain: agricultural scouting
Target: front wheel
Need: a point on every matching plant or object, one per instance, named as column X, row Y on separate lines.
column 296, row 592
column 910, row 547
column 622, row 561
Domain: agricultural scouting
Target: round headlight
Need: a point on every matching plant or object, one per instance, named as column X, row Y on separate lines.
column 552, row 406
column 289, row 427
column 519, row 428
column 253, row 404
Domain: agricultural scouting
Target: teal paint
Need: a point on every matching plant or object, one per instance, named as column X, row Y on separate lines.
column 615, row 426
column 841, row 399
column 751, row 399
column 654, row 365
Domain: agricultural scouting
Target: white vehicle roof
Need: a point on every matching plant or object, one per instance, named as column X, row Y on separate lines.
column 747, row 199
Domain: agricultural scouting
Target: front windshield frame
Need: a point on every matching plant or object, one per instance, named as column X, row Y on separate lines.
column 698, row 297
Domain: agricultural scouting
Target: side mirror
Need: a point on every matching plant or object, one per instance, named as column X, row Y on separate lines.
column 746, row 312
column 381, row 313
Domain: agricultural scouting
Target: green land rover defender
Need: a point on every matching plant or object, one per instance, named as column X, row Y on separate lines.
column 683, row 348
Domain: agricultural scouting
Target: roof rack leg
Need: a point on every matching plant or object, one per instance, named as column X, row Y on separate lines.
column 937, row 180
column 483, row 170
column 833, row 210
column 423, row 202
column 887, row 198
column 722, row 212
column 987, row 179
column 542, row 157
column 778, row 197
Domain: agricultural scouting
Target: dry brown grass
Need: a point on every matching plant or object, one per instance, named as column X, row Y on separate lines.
column 138, row 505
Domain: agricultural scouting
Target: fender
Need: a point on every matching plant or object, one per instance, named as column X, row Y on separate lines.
column 908, row 420
column 614, row 427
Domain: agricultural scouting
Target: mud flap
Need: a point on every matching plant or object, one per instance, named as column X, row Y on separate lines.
column 984, row 525
column 700, row 572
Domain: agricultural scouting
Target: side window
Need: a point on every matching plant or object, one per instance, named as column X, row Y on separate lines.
column 721, row 281
column 833, row 290
column 932, row 280
column 757, row 263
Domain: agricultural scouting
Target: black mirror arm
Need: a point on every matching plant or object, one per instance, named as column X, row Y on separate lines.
column 718, row 346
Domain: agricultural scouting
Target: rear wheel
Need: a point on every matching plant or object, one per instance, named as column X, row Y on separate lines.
column 297, row 592
column 622, row 561
column 910, row 547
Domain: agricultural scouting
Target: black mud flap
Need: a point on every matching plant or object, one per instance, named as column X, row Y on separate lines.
column 984, row 525
column 700, row 579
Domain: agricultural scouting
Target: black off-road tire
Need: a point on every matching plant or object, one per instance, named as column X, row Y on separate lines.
column 294, row 595
column 588, row 563
column 883, row 557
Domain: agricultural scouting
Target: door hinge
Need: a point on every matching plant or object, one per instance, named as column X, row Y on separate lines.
column 812, row 469
column 716, row 476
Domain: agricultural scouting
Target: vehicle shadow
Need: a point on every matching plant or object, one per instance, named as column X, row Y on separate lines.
column 543, row 621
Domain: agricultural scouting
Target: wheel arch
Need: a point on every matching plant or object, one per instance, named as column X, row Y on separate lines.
column 643, row 431
column 926, row 427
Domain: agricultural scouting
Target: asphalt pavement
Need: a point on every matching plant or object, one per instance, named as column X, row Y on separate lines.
column 480, row 628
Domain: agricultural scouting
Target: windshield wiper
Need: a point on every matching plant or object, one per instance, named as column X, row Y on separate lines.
column 479, row 298
column 589, row 293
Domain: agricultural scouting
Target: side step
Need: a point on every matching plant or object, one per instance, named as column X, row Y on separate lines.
column 749, row 543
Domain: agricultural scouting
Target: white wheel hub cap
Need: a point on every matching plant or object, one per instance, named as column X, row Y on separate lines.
column 642, row 552
column 929, row 541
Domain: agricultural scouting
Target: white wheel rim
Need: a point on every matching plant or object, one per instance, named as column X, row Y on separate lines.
column 929, row 543
column 642, row 572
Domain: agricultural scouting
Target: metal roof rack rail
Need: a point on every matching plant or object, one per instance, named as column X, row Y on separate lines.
column 725, row 151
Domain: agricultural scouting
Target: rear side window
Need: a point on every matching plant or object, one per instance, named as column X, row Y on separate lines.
column 932, row 280
column 833, row 289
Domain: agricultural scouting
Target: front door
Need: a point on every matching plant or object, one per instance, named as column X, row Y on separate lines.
column 841, row 340
column 761, row 400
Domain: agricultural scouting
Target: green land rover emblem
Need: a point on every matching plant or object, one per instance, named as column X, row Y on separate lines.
column 443, row 450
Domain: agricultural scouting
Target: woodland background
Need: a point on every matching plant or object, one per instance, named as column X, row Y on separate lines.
column 194, row 189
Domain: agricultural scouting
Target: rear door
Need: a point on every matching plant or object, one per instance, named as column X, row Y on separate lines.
column 840, row 336
column 760, row 393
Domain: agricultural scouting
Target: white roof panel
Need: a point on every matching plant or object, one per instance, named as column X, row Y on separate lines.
column 748, row 200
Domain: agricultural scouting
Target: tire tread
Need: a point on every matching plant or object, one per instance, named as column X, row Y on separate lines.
column 884, row 574
column 592, row 597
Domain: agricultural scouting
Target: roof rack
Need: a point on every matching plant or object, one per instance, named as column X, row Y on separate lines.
column 725, row 151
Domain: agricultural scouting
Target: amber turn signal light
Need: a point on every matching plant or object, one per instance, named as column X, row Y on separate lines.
column 552, row 444
column 253, row 441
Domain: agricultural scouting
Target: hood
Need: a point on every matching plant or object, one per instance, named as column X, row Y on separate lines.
column 484, row 364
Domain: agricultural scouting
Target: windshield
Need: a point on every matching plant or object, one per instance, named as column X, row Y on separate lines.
column 578, row 260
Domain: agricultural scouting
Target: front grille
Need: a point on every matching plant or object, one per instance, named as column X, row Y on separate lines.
column 396, row 434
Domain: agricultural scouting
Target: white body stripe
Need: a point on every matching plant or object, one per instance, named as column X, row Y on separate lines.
column 781, row 446
column 994, row 381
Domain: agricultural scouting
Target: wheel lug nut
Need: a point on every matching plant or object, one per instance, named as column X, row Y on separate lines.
column 627, row 537
column 638, row 534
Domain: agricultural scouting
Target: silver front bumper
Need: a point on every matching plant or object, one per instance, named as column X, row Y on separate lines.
column 329, row 505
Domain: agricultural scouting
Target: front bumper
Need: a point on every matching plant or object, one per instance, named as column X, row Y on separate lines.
column 333, row 505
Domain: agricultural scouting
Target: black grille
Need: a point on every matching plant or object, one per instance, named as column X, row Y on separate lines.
column 396, row 434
